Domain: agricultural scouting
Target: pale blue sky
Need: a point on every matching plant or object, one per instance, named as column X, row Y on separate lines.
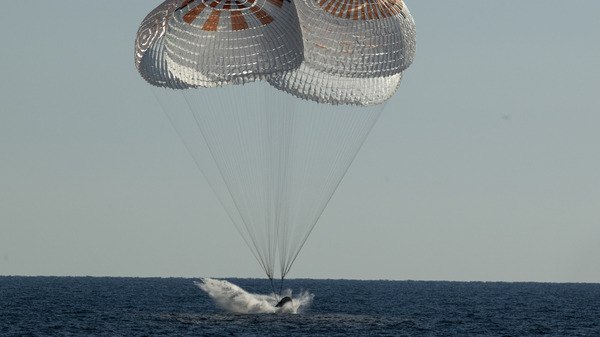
column 484, row 166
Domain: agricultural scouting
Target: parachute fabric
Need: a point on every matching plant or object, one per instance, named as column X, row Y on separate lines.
column 362, row 38
column 321, row 87
column 150, row 55
column 354, row 51
column 214, row 42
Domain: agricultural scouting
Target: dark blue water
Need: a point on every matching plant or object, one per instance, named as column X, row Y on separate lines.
column 98, row 306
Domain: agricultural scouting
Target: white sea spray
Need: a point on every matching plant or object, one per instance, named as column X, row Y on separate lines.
column 232, row 298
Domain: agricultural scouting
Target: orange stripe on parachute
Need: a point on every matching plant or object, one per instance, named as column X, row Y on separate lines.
column 190, row 16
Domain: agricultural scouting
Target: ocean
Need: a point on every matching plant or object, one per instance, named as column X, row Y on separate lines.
column 110, row 306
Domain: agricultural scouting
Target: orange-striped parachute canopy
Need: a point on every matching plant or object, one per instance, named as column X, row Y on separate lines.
column 329, row 51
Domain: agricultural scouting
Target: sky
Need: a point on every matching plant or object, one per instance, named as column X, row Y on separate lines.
column 484, row 166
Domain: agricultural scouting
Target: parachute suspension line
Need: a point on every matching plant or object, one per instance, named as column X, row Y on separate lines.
column 184, row 121
column 274, row 166
column 233, row 214
column 282, row 110
column 261, row 129
column 237, row 133
column 281, row 285
column 289, row 189
column 206, row 126
column 274, row 292
column 343, row 129
column 279, row 127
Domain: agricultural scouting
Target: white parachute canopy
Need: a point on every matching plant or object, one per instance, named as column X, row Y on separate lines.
column 354, row 52
column 274, row 160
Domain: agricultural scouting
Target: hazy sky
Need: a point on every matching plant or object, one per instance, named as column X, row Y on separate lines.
column 485, row 165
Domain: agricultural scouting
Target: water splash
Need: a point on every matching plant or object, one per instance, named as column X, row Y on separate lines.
column 232, row 298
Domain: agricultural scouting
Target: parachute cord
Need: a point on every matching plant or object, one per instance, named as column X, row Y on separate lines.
column 273, row 287
column 281, row 285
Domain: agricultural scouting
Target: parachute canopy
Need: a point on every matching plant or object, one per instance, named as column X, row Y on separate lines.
column 275, row 161
column 328, row 51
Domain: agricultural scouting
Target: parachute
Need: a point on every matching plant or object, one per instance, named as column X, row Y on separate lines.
column 273, row 99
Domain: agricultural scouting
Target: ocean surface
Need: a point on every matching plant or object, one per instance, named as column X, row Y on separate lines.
column 106, row 306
